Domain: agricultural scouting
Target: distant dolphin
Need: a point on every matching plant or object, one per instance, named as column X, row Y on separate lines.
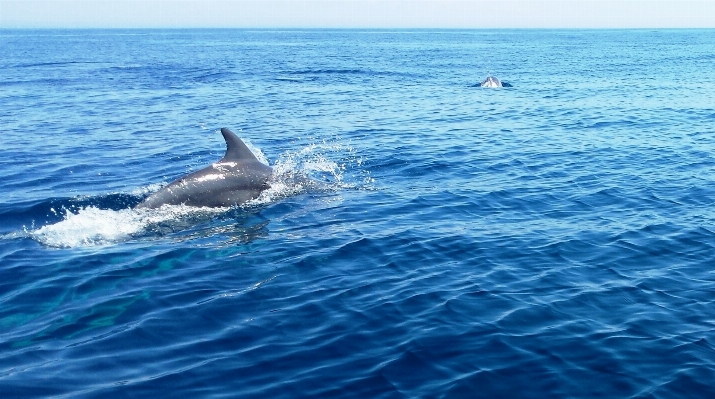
column 492, row 81
column 237, row 178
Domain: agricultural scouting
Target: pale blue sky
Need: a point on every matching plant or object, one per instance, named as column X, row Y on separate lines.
column 359, row 13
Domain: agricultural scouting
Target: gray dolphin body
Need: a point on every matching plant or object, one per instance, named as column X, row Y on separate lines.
column 236, row 178
column 492, row 81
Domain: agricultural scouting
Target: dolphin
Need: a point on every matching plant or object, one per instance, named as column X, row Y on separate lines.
column 236, row 178
column 492, row 81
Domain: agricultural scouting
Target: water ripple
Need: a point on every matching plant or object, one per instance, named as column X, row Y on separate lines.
column 550, row 240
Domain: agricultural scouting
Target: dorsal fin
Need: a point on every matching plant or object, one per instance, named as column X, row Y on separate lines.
column 235, row 149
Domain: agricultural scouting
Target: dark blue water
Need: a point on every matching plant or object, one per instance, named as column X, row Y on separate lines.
column 555, row 239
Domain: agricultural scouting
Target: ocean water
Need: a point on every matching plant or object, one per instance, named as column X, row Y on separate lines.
column 555, row 239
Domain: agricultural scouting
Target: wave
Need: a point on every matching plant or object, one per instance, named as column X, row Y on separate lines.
column 54, row 64
column 338, row 72
column 330, row 72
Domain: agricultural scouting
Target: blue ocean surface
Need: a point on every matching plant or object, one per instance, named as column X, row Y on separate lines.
column 554, row 239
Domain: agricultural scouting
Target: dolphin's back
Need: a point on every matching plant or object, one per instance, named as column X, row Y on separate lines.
column 237, row 178
column 491, row 81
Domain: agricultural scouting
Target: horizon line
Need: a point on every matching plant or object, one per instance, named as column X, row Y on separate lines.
column 367, row 28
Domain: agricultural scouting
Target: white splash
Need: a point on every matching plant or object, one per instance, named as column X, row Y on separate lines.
column 91, row 226
column 308, row 169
